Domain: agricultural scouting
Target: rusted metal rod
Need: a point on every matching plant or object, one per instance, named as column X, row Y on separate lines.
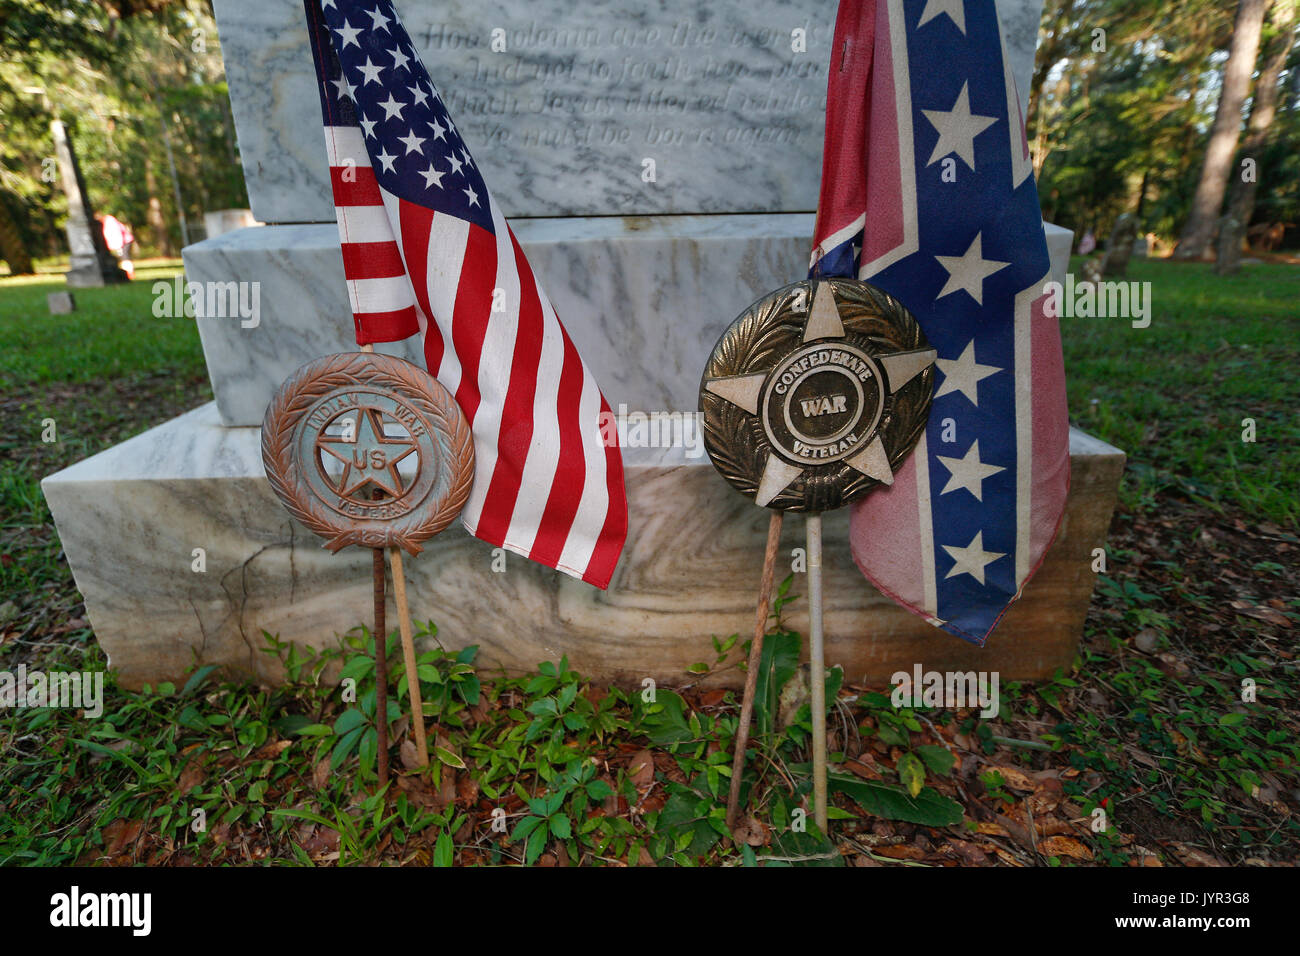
column 381, row 665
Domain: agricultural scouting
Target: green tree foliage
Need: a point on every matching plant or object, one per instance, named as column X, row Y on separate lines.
column 1120, row 119
column 129, row 79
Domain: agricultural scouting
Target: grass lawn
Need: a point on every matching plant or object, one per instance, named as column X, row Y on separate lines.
column 1149, row 733
column 103, row 373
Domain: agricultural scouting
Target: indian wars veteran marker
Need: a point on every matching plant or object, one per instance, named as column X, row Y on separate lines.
column 369, row 450
column 813, row 397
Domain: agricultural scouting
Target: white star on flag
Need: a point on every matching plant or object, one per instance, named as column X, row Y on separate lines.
column 387, row 160
column 400, row 59
column 968, row 271
column 344, row 87
column 412, row 143
column 936, row 8
column 378, row 21
column 370, row 72
column 972, row 559
column 963, row 374
column 348, row 34
column 958, row 128
column 392, row 107
column 968, row 472
column 432, row 177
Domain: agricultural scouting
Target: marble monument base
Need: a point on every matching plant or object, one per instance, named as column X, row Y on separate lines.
column 644, row 297
column 132, row 517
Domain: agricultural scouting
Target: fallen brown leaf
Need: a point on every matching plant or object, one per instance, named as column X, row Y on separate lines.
column 409, row 755
column 751, row 831
column 641, row 769
column 1190, row 856
column 191, row 776
column 1064, row 846
column 901, row 851
column 1016, row 779
column 119, row 833
column 969, row 853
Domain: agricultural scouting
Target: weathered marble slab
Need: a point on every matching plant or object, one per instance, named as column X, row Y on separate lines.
column 131, row 517
column 561, row 120
column 644, row 297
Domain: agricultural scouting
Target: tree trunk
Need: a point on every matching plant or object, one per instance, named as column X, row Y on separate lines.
column 154, row 216
column 1241, row 199
column 1054, row 45
column 1223, row 134
column 12, row 249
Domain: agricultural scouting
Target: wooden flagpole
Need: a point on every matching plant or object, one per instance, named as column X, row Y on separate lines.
column 751, row 674
column 408, row 654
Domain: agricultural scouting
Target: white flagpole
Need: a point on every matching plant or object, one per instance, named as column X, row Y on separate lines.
column 817, row 662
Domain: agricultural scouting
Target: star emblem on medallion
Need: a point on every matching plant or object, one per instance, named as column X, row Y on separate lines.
column 822, row 403
column 369, row 458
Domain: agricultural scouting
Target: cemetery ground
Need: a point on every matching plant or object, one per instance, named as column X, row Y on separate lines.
column 1200, row 596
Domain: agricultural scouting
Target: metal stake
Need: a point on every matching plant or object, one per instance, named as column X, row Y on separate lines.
column 381, row 665
column 817, row 661
column 381, row 650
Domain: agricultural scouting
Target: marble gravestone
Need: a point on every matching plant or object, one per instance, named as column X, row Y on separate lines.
column 566, row 123
column 91, row 263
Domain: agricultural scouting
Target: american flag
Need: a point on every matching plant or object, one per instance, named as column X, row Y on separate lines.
column 427, row 251
column 928, row 192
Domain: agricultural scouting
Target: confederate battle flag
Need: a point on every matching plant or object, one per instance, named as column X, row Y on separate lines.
column 928, row 193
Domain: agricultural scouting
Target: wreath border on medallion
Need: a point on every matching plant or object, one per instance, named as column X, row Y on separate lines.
column 760, row 338
column 415, row 386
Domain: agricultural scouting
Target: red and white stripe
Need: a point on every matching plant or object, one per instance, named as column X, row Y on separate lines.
column 546, row 486
column 383, row 305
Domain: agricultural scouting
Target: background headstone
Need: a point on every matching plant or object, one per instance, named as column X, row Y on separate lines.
column 221, row 221
column 1120, row 246
column 60, row 303
column 92, row 264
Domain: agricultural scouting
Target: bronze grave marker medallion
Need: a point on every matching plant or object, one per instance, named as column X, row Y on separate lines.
column 816, row 394
column 366, row 449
